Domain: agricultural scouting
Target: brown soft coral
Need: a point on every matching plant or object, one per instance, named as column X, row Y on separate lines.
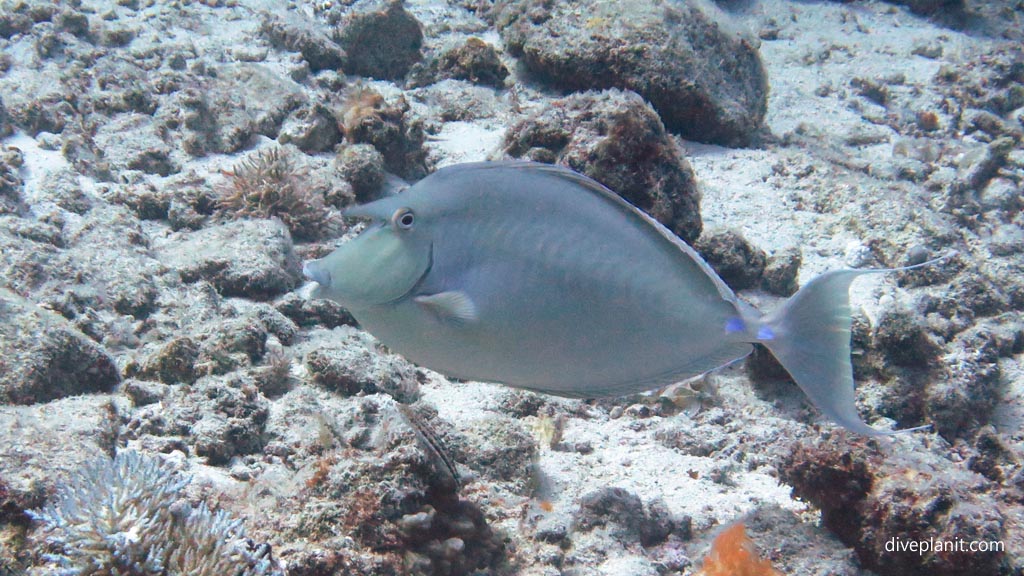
column 271, row 183
column 734, row 554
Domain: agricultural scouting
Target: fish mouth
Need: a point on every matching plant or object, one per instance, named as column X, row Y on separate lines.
column 416, row 285
column 314, row 272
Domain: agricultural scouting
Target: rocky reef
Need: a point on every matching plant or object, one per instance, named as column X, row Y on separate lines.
column 173, row 399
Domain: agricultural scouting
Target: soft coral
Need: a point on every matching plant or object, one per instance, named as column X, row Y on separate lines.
column 734, row 554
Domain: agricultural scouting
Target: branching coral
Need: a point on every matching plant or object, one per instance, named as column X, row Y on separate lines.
column 271, row 183
column 122, row 517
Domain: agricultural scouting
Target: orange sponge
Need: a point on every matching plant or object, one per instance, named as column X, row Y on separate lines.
column 733, row 554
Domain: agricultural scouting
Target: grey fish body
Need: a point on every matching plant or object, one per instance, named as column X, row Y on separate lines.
column 597, row 303
column 537, row 277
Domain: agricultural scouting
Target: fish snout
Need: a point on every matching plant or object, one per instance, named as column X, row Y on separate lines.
column 311, row 269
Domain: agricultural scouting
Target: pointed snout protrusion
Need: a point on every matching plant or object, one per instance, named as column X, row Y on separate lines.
column 311, row 269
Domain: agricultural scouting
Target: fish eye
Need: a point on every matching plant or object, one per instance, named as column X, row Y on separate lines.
column 403, row 218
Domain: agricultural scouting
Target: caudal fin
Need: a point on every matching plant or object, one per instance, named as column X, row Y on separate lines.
column 810, row 336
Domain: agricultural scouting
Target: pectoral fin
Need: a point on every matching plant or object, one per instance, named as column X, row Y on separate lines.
column 454, row 306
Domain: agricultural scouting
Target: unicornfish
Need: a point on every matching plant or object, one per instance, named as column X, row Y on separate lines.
column 537, row 277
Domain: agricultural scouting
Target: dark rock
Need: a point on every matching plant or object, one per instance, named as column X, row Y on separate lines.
column 363, row 166
column 252, row 258
column 41, row 444
column 120, row 277
column 293, row 32
column 219, row 417
column 190, row 206
column 173, row 362
column 146, row 200
column 704, row 79
column 117, row 37
column 872, row 90
column 520, row 403
column 502, row 449
column 941, row 509
column 231, row 344
column 474, row 60
column 617, row 507
column 658, row 523
column 381, row 40
column 134, row 142
column 277, row 324
column 11, row 185
column 307, row 313
column 223, row 112
column 144, row 393
column 617, row 139
column 313, row 129
column 737, row 261
column 350, row 368
column 44, row 357
column 781, row 272
column 367, row 118
column 978, row 294
column 5, row 122
column 614, row 505
column 836, row 476
column 40, row 105
column 73, row 22
column 13, row 22
column 869, row 499
column 232, row 423
column 995, row 459
column 961, row 396
column 902, row 338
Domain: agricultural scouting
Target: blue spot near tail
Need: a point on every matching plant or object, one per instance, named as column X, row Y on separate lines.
column 734, row 325
column 765, row 333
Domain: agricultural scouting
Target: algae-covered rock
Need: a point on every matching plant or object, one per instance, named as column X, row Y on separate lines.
column 312, row 129
column 735, row 259
column 40, row 443
column 380, row 39
column 218, row 417
column 362, row 166
column 252, row 258
column 368, row 118
column 871, row 499
column 293, row 32
column 617, row 139
column 473, row 60
column 781, row 271
column 350, row 367
column 376, row 494
column 701, row 73
column 44, row 357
